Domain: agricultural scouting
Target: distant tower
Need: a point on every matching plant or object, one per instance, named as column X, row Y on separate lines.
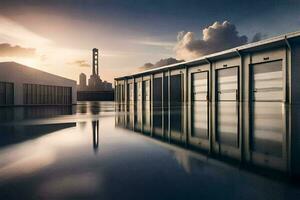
column 82, row 80
column 95, row 62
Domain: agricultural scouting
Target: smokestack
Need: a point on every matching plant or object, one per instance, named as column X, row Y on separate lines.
column 95, row 62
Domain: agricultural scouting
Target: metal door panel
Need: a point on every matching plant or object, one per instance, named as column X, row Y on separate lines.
column 200, row 86
column 267, row 81
column 146, row 90
column 131, row 90
column 139, row 91
column 227, row 84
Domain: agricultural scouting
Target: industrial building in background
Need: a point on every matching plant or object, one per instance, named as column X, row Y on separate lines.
column 96, row 88
column 22, row 85
column 94, row 83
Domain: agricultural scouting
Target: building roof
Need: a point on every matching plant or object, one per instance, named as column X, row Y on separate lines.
column 260, row 45
column 19, row 71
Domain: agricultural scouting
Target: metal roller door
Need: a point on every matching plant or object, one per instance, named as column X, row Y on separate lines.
column 146, row 107
column 139, row 106
column 200, row 86
column 157, row 90
column 6, row 93
column 139, row 91
column 176, row 108
column 157, row 103
column 227, row 84
column 146, row 90
column 267, row 81
column 130, row 92
column 200, row 105
column 176, row 89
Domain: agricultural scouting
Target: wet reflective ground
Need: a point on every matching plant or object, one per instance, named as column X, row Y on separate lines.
column 91, row 151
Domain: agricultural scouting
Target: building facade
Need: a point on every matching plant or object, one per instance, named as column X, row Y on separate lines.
column 235, row 103
column 263, row 71
column 22, row 85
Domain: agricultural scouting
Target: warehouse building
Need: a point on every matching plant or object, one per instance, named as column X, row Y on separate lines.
column 224, row 103
column 22, row 85
column 262, row 71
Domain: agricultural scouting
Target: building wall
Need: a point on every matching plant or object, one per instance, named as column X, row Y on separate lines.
column 20, row 74
column 244, row 63
column 250, row 126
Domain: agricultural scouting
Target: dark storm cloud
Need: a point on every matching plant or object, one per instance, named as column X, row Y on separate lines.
column 80, row 63
column 216, row 37
column 258, row 36
column 160, row 63
column 8, row 50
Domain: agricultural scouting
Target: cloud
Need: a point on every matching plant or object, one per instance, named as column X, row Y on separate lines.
column 258, row 36
column 217, row 37
column 7, row 50
column 80, row 63
column 160, row 63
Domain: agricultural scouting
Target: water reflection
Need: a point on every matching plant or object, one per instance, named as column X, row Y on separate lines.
column 11, row 134
column 227, row 124
column 33, row 112
column 146, row 128
column 199, row 132
column 257, row 138
column 268, row 139
column 95, row 125
column 199, row 120
column 52, row 158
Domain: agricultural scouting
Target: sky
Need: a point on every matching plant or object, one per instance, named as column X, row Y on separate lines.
column 58, row 36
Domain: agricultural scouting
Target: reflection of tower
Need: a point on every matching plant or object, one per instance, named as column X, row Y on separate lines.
column 82, row 80
column 95, row 125
column 95, row 62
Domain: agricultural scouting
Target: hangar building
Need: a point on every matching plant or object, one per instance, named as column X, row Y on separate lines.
column 22, row 85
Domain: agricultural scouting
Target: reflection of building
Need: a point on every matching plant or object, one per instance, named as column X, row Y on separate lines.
column 95, row 126
column 94, row 83
column 12, row 134
column 22, row 85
